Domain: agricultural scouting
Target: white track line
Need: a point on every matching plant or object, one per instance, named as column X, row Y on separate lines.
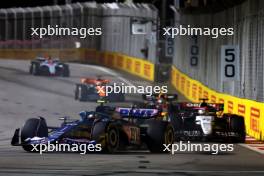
column 152, row 171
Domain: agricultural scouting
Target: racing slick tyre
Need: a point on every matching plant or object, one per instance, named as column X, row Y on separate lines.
column 112, row 139
column 66, row 71
column 159, row 133
column 176, row 122
column 44, row 70
column 81, row 92
column 30, row 69
column 34, row 69
column 237, row 125
column 76, row 92
column 107, row 136
column 33, row 127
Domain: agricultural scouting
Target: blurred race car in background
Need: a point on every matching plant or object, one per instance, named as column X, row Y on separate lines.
column 206, row 121
column 49, row 67
column 114, row 128
column 161, row 102
column 93, row 89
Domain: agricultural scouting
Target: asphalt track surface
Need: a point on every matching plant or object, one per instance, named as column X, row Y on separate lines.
column 24, row 96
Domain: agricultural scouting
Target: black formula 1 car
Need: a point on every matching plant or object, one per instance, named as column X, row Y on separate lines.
column 93, row 89
column 49, row 67
column 162, row 102
column 207, row 122
column 112, row 128
column 159, row 101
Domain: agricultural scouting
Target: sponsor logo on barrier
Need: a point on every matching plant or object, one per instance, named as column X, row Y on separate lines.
column 120, row 62
column 188, row 85
column 101, row 60
column 147, row 70
column 93, row 54
column 213, row 99
column 221, row 100
column 254, row 119
column 174, row 77
column 241, row 109
column 205, row 94
column 230, row 106
column 128, row 64
column 177, row 79
column 105, row 57
column 68, row 54
column 200, row 92
column 88, row 55
column 194, row 89
column 182, row 83
column 110, row 60
column 137, row 67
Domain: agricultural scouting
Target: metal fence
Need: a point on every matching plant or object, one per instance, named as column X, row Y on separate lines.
column 247, row 19
column 116, row 21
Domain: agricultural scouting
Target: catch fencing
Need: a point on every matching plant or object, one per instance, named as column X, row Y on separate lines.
column 120, row 24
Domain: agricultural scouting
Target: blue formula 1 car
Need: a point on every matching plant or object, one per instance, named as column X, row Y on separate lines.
column 49, row 67
column 113, row 128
